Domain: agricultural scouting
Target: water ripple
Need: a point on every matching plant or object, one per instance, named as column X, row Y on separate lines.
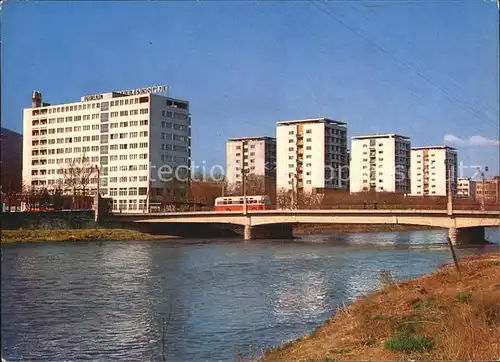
column 85, row 301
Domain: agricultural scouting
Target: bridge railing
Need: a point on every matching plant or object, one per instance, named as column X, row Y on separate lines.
column 386, row 206
column 343, row 206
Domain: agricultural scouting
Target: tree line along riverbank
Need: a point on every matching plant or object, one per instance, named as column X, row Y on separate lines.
column 442, row 316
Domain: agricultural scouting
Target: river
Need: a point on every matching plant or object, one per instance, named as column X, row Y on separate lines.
column 225, row 298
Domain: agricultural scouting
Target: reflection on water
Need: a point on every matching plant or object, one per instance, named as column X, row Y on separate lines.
column 102, row 301
column 306, row 292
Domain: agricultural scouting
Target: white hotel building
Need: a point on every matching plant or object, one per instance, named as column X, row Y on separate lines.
column 380, row 163
column 431, row 170
column 311, row 154
column 257, row 155
column 128, row 137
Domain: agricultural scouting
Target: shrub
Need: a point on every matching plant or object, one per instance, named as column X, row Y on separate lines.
column 386, row 278
column 464, row 297
column 409, row 342
column 367, row 341
column 340, row 351
column 422, row 305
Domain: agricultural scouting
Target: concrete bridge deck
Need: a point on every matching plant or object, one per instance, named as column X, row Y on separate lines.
column 463, row 225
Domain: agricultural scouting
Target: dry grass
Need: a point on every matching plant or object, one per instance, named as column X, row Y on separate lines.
column 441, row 316
column 33, row 236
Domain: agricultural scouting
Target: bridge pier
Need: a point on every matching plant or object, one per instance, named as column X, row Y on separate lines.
column 271, row 231
column 248, row 233
column 467, row 236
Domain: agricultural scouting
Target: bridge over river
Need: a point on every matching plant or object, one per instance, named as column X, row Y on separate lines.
column 464, row 226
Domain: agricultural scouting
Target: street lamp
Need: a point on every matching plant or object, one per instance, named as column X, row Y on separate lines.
column 98, row 179
column 482, row 173
column 244, row 179
column 448, row 164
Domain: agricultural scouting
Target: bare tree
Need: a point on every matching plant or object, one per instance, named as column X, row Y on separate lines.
column 28, row 195
column 309, row 199
column 70, row 175
column 77, row 175
column 291, row 199
column 255, row 185
column 9, row 194
column 205, row 192
column 284, row 198
column 86, row 172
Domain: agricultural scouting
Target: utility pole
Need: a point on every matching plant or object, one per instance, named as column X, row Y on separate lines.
column 97, row 199
column 449, row 189
column 450, row 212
column 483, row 194
column 98, row 179
column 244, row 176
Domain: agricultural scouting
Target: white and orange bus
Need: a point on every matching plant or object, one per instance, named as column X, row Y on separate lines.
column 235, row 203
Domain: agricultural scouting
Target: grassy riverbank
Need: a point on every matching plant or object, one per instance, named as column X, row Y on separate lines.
column 355, row 228
column 33, row 236
column 441, row 316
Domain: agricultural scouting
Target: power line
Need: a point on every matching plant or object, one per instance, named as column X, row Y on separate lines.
column 404, row 64
column 415, row 52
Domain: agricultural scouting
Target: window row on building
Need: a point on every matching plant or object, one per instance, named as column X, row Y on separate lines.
column 175, row 115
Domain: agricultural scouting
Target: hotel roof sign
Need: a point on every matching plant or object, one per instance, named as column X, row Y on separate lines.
column 129, row 92
column 148, row 90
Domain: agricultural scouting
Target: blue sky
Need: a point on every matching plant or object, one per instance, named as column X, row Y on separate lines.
column 428, row 70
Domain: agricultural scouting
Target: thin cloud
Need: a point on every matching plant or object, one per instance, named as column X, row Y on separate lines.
column 475, row 141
